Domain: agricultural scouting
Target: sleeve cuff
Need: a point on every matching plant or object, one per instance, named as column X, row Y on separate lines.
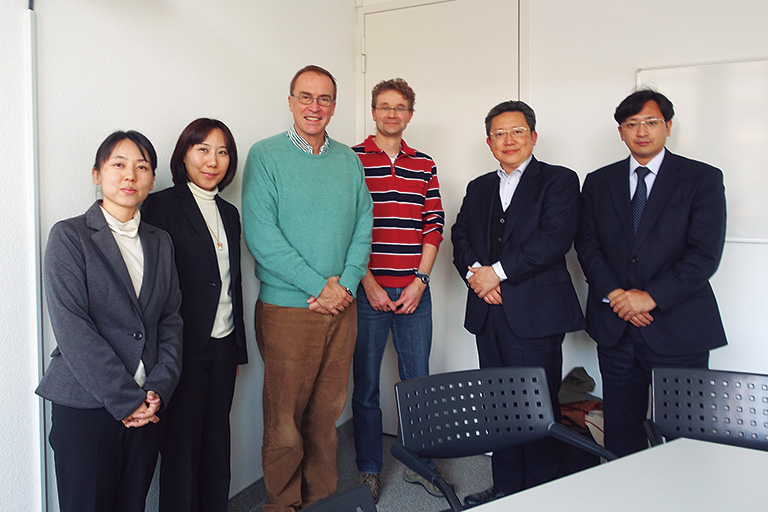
column 499, row 271
column 474, row 265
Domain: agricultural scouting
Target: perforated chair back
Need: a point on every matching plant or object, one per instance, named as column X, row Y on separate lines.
column 357, row 499
column 718, row 406
column 465, row 413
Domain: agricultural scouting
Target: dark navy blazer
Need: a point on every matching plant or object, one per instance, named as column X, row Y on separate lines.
column 677, row 249
column 541, row 222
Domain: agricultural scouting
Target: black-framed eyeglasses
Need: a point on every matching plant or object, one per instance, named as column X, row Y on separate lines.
column 517, row 132
column 648, row 123
column 399, row 110
column 307, row 99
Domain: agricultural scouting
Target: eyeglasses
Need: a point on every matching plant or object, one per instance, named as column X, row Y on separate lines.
column 648, row 123
column 518, row 132
column 307, row 99
column 399, row 110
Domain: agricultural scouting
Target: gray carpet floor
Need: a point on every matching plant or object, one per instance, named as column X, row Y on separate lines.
column 469, row 474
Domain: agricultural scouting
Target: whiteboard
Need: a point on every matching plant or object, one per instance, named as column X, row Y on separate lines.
column 721, row 117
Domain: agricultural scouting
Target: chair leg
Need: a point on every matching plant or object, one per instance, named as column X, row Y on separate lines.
column 413, row 462
column 563, row 433
column 653, row 432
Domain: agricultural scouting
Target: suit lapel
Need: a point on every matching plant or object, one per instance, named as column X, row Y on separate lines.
column 665, row 184
column 524, row 191
column 150, row 247
column 105, row 241
column 233, row 241
column 195, row 216
column 618, row 187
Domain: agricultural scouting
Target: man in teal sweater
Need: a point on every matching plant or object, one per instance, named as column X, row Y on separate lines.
column 307, row 217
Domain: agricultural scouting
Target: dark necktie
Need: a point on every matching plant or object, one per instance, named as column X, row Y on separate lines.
column 640, row 197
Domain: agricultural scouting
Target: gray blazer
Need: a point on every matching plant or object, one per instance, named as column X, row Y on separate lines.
column 102, row 330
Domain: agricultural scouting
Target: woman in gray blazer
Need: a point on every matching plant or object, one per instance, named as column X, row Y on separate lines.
column 195, row 452
column 113, row 300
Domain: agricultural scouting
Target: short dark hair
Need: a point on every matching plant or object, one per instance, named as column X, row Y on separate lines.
column 142, row 143
column 511, row 106
column 313, row 69
column 395, row 84
column 635, row 102
column 195, row 133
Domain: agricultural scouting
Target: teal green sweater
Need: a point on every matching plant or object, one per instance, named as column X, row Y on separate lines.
column 305, row 218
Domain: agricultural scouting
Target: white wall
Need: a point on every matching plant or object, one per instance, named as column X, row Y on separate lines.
column 19, row 436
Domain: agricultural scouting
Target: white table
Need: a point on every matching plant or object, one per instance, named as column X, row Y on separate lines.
column 682, row 475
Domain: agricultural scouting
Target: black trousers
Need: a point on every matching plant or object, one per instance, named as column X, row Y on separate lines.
column 537, row 462
column 626, row 370
column 195, row 453
column 101, row 465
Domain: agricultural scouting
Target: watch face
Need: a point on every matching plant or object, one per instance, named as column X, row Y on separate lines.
column 424, row 278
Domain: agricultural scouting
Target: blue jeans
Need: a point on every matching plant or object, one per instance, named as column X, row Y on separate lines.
column 412, row 337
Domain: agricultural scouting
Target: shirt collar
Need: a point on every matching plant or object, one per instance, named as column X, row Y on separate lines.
column 654, row 165
column 370, row 146
column 305, row 146
column 503, row 174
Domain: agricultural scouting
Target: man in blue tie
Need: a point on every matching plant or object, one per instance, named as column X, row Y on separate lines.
column 652, row 234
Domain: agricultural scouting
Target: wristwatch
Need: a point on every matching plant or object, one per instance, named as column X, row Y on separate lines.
column 423, row 276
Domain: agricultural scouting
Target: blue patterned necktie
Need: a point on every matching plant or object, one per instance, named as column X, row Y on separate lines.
column 640, row 197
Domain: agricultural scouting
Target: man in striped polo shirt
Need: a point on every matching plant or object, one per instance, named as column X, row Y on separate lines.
column 394, row 295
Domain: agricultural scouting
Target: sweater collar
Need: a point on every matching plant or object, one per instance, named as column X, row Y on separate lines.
column 129, row 229
column 202, row 194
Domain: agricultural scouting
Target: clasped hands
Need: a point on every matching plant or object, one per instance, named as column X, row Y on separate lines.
column 486, row 284
column 633, row 306
column 405, row 304
column 333, row 298
column 146, row 413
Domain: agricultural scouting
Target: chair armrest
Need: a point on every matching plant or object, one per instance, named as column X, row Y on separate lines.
column 563, row 433
column 653, row 432
column 414, row 462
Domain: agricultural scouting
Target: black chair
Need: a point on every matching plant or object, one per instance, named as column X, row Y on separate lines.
column 472, row 412
column 357, row 499
column 711, row 405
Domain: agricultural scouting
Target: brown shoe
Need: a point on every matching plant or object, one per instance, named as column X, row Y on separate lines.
column 373, row 481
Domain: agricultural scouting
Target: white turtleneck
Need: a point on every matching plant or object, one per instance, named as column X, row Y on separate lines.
column 128, row 241
column 224, row 323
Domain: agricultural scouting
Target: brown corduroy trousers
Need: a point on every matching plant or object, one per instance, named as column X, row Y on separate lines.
column 307, row 358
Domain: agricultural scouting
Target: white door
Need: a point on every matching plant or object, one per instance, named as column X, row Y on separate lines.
column 461, row 58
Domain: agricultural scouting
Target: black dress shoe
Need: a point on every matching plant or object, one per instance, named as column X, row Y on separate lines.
column 490, row 494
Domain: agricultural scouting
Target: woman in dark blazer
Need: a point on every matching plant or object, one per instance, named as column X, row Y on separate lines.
column 195, row 452
column 113, row 300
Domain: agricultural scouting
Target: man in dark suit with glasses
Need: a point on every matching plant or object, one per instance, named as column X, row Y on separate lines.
column 652, row 234
column 509, row 243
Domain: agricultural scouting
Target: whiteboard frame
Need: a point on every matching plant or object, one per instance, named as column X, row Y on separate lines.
column 640, row 83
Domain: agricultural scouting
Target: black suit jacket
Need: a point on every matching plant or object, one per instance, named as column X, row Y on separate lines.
column 176, row 211
column 677, row 249
column 542, row 219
